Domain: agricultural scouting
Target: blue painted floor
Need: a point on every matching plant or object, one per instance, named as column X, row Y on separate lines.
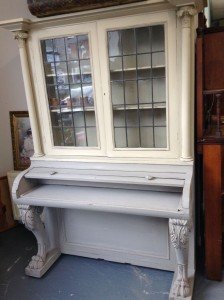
column 82, row 278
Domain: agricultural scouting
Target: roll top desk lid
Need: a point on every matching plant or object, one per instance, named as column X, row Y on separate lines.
column 129, row 179
column 152, row 190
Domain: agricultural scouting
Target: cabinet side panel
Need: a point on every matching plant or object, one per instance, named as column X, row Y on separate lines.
column 214, row 61
column 213, row 210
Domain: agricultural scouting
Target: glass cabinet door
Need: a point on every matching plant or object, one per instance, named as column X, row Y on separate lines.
column 68, row 78
column 138, row 86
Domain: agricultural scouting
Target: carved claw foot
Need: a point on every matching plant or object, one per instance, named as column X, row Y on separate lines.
column 30, row 216
column 181, row 288
column 36, row 262
column 45, row 257
column 179, row 235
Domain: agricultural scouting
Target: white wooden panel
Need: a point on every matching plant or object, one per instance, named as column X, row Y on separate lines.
column 123, row 238
column 148, row 203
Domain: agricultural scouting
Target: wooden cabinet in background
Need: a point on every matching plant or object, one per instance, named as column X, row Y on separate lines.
column 6, row 215
column 210, row 144
column 11, row 175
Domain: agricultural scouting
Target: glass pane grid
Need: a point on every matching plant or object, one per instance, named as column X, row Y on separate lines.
column 70, row 92
column 137, row 77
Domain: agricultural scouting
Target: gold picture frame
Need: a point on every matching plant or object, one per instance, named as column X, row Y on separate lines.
column 22, row 142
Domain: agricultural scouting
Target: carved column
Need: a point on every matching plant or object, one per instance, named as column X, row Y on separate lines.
column 21, row 37
column 179, row 235
column 186, row 14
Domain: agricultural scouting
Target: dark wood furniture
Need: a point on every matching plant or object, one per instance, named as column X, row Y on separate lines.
column 6, row 216
column 210, row 144
column 44, row 8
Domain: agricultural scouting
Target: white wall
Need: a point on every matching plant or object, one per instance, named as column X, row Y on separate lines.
column 12, row 95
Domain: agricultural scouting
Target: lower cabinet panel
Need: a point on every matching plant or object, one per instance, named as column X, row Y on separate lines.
column 137, row 240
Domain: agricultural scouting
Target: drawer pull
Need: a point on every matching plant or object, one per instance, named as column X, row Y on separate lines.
column 53, row 173
column 150, row 177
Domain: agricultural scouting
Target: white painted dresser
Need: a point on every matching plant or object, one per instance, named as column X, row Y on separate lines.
column 110, row 97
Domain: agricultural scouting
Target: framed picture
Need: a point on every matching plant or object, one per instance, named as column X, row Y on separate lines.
column 22, row 140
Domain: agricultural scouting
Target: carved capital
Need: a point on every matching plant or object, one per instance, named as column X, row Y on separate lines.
column 186, row 13
column 179, row 232
column 21, row 37
column 30, row 215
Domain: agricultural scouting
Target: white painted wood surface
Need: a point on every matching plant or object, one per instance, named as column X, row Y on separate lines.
column 105, row 207
column 150, row 203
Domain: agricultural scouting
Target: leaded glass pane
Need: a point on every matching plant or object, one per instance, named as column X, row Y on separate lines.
column 68, row 78
column 138, row 86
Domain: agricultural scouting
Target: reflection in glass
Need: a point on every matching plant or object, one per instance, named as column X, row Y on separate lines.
column 59, row 48
column 83, row 45
column 76, row 94
column 57, row 136
column 114, row 42
column 86, row 71
column 74, row 72
column 64, row 95
column 69, row 137
column 80, row 136
column 88, row 95
column 79, row 119
column 50, row 73
column 71, row 48
column 70, row 92
column 67, row 120
column 52, row 92
column 61, row 72
column 55, row 118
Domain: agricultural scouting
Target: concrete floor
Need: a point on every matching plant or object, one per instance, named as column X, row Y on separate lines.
column 84, row 279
